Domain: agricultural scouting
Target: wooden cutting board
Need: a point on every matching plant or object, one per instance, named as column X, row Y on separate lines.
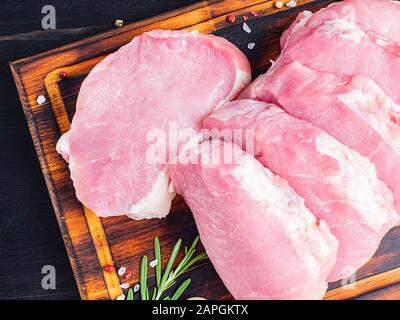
column 92, row 242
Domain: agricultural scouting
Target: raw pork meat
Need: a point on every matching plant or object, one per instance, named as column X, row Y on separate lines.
column 338, row 184
column 353, row 110
column 160, row 80
column 262, row 240
column 377, row 18
column 339, row 46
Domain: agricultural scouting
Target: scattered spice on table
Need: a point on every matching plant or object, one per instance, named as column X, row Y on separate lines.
column 119, row 23
column 124, row 286
column 291, row 4
column 109, row 268
column 231, row 18
column 63, row 75
column 278, row 4
column 246, row 27
column 121, row 271
column 40, row 99
column 127, row 275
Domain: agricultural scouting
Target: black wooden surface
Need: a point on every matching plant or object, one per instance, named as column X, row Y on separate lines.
column 29, row 234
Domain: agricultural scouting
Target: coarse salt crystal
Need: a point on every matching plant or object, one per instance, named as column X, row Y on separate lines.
column 271, row 61
column 121, row 271
column 291, row 4
column 251, row 45
column 246, row 27
column 124, row 285
column 121, row 297
column 136, row 288
column 153, row 263
column 41, row 99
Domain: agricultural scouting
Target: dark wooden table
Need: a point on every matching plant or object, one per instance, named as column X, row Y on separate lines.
column 29, row 234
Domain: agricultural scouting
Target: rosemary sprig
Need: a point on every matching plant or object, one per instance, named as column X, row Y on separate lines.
column 181, row 289
column 143, row 279
column 157, row 255
column 168, row 279
column 129, row 295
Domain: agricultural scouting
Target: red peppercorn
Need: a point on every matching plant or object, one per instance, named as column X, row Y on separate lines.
column 127, row 275
column 245, row 18
column 231, row 18
column 63, row 75
column 109, row 268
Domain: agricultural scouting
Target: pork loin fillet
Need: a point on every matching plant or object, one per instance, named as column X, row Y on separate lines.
column 262, row 240
column 128, row 104
column 353, row 110
column 338, row 184
column 377, row 18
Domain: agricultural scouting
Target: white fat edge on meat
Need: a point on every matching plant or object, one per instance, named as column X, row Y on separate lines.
column 62, row 146
column 157, row 203
column 379, row 120
column 306, row 15
column 242, row 80
column 363, row 188
column 312, row 244
column 343, row 29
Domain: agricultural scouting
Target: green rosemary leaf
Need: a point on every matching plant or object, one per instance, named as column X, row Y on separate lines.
column 188, row 254
column 157, row 254
column 184, row 261
column 170, row 263
column 129, row 295
column 153, row 297
column 194, row 243
column 200, row 257
column 178, row 293
column 170, row 284
column 143, row 279
column 167, row 298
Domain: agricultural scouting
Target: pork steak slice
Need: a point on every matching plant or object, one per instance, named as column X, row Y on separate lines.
column 353, row 110
column 338, row 184
column 377, row 18
column 127, row 105
column 262, row 240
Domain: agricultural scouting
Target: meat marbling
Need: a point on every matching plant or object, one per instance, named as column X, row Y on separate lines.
column 159, row 78
column 353, row 110
column 262, row 240
column 338, row 184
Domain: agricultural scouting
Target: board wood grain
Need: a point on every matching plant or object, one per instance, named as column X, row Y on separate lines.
column 93, row 242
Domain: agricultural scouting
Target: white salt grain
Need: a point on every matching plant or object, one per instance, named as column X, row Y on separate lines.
column 251, row 45
column 41, row 99
column 136, row 288
column 291, row 4
column 121, row 297
column 121, row 271
column 246, row 27
column 153, row 263
column 124, row 285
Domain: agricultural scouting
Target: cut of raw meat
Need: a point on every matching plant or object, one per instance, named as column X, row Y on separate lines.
column 338, row 184
column 353, row 110
column 262, row 240
column 377, row 18
column 127, row 106
column 341, row 47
